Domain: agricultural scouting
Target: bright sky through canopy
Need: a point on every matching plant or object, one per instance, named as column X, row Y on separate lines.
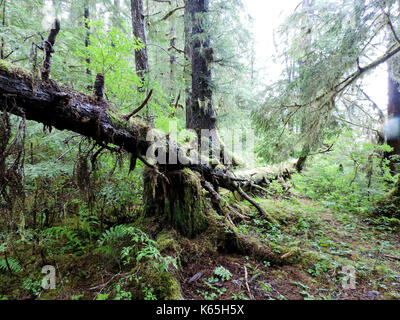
column 268, row 15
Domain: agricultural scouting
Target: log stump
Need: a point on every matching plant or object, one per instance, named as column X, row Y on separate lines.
column 178, row 199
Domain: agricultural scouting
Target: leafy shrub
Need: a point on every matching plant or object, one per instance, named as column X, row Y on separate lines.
column 350, row 178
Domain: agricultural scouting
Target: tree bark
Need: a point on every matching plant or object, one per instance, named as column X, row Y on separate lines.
column 139, row 31
column 307, row 31
column 177, row 201
column 394, row 112
column 200, row 114
column 3, row 24
column 49, row 50
column 187, row 68
column 86, row 11
column 173, row 56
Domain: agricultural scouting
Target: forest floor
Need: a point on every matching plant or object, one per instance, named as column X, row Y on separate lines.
column 327, row 242
column 322, row 241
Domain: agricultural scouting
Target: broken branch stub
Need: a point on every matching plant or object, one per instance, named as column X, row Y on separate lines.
column 99, row 86
column 49, row 50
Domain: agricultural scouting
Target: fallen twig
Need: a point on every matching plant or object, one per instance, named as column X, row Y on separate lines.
column 229, row 219
column 241, row 216
column 247, row 283
column 391, row 257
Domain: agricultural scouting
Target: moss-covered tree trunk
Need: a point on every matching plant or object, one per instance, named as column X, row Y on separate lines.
column 178, row 199
column 389, row 205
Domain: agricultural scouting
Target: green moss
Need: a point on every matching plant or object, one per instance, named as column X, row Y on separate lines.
column 162, row 284
column 13, row 70
column 188, row 210
column 118, row 121
column 50, row 294
column 166, row 241
column 308, row 259
column 396, row 191
column 180, row 202
column 146, row 223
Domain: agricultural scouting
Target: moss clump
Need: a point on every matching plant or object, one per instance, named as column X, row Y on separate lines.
column 166, row 242
column 13, row 70
column 118, row 121
column 163, row 285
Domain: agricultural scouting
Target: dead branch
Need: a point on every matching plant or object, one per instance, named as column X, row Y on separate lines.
column 329, row 149
column 236, row 213
column 171, row 13
column 177, row 101
column 391, row 257
column 127, row 117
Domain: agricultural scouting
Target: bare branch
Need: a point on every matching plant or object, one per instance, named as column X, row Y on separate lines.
column 171, row 13
column 127, row 117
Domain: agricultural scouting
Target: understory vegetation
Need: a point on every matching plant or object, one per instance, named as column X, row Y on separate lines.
column 104, row 247
column 115, row 226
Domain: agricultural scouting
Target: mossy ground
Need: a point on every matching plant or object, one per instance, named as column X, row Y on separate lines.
column 308, row 249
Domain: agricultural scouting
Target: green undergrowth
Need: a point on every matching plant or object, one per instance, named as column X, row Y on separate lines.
column 103, row 246
column 124, row 262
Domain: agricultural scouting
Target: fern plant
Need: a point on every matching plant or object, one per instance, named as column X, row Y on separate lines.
column 73, row 242
column 223, row 273
column 126, row 244
column 13, row 264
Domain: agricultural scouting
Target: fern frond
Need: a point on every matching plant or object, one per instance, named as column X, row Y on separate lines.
column 14, row 265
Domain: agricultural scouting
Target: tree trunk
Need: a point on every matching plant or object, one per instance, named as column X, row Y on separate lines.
column 187, row 68
column 307, row 31
column 139, row 31
column 394, row 112
column 200, row 113
column 116, row 15
column 177, row 200
column 86, row 12
column 172, row 51
column 3, row 24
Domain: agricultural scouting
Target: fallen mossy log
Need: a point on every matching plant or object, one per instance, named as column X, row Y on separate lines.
column 65, row 109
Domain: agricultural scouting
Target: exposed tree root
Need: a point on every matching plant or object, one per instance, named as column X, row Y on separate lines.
column 253, row 202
